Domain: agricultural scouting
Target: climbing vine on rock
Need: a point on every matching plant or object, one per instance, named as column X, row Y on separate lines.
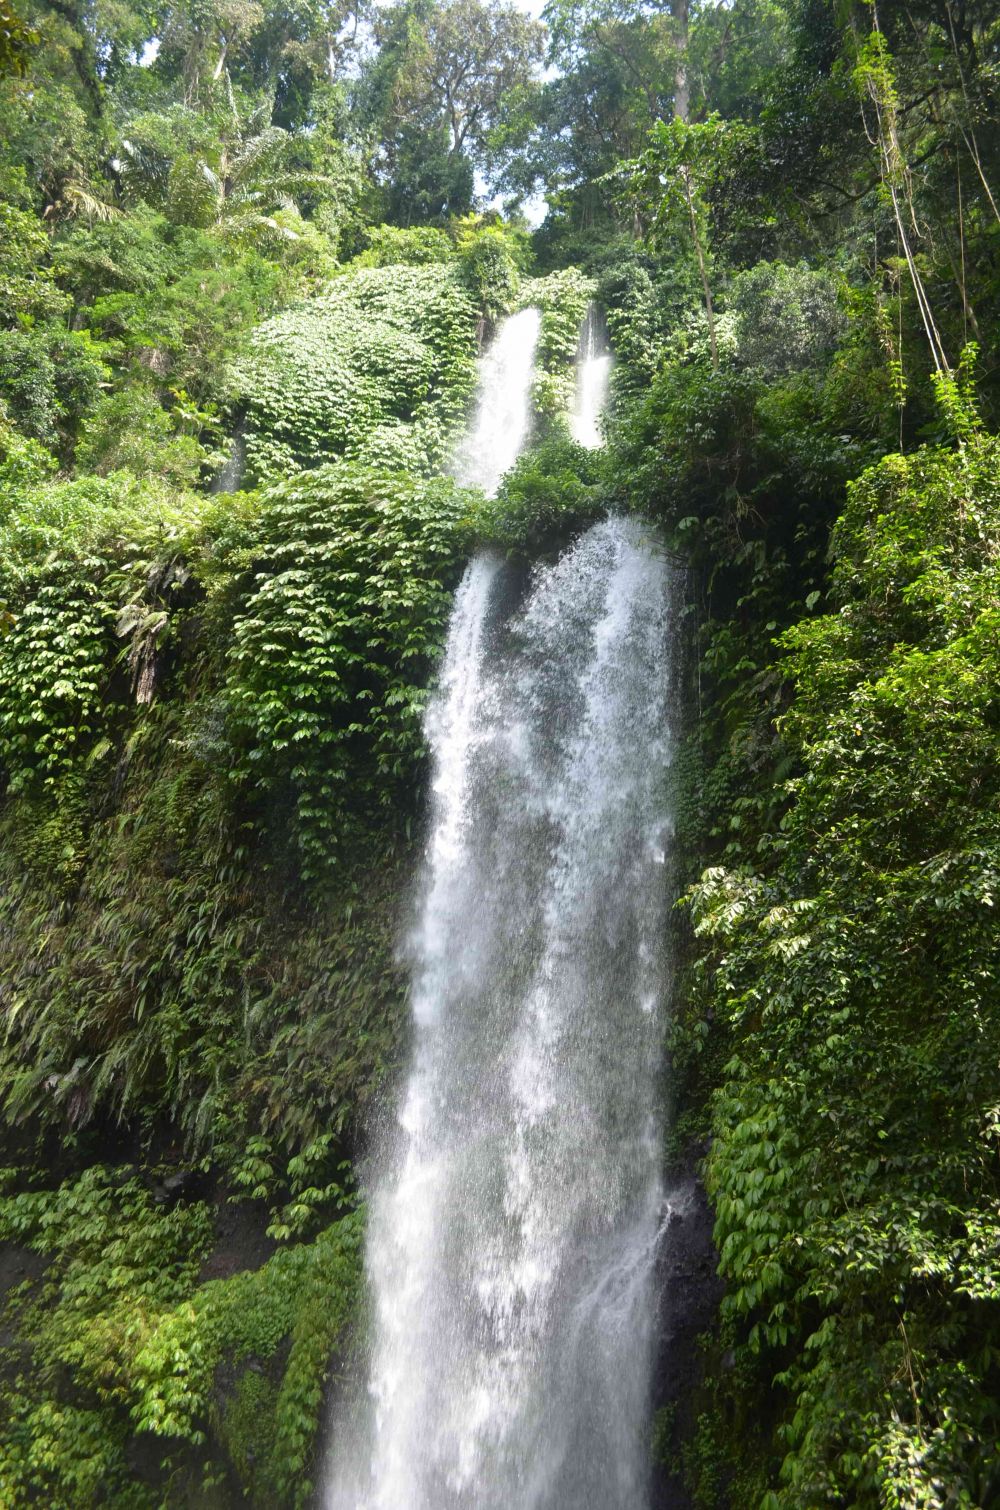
column 377, row 369
column 333, row 639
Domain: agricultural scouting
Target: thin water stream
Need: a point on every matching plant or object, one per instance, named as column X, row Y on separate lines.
column 502, row 419
column 593, row 377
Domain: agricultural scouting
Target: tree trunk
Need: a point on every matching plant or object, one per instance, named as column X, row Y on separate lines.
column 702, row 268
column 682, row 96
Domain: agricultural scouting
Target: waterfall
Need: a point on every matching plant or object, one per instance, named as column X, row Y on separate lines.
column 593, row 374
column 503, row 404
column 230, row 475
column 516, row 1203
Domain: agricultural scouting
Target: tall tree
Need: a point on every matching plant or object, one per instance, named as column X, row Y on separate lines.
column 448, row 91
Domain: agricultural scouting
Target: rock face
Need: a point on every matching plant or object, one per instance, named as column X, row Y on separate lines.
column 690, row 1290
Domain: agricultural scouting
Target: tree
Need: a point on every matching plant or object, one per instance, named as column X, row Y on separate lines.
column 280, row 47
column 234, row 184
column 15, row 40
column 470, row 60
column 616, row 75
column 670, row 184
column 448, row 90
column 201, row 36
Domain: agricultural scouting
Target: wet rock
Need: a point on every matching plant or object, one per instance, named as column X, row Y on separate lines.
column 181, row 1185
column 690, row 1291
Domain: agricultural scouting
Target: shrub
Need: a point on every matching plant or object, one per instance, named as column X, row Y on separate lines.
column 119, row 1336
column 552, row 491
column 332, row 645
column 48, row 379
column 785, row 317
column 385, row 347
column 853, row 1159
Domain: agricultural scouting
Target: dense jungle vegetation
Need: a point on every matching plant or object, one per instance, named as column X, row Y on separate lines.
column 249, row 253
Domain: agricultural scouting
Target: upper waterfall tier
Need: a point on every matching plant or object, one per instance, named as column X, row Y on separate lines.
column 503, row 404
column 593, row 375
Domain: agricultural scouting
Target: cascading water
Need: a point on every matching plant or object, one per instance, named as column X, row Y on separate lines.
column 516, row 1206
column 503, row 404
column 593, row 374
column 231, row 473
column 515, row 1216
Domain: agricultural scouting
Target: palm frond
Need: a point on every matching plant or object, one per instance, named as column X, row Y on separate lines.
column 211, row 177
column 79, row 199
column 258, row 152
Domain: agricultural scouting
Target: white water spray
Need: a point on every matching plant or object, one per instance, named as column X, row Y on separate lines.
column 514, row 1215
column 503, row 404
column 593, row 375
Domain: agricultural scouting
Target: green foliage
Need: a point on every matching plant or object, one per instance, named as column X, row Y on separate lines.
column 27, row 292
column 553, row 490
column 489, row 263
column 852, row 1165
column 956, row 397
column 114, row 1260
column 188, row 314
column 452, row 85
column 307, row 1294
column 210, row 753
column 23, row 462
column 682, row 163
column 746, row 475
column 378, row 369
column 332, row 646
column 669, row 187
column 784, row 317
column 305, row 1179
column 72, row 556
column 178, row 981
column 563, row 298
column 15, row 40
column 614, row 76
column 181, row 745
column 413, row 246
column 48, row 378
column 647, row 302
column 210, row 738
column 130, row 431
column 123, row 1335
